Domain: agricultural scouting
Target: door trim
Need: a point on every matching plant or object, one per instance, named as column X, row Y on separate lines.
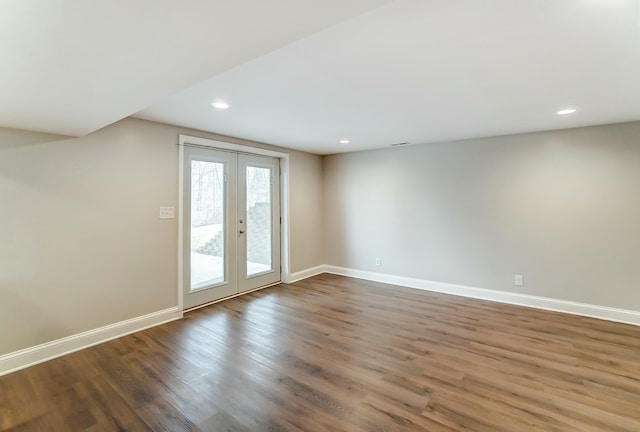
column 187, row 140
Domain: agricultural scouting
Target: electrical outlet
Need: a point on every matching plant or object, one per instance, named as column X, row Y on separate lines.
column 378, row 262
column 167, row 213
column 519, row 281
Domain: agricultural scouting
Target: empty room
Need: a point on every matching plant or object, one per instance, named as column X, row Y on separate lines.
column 320, row 216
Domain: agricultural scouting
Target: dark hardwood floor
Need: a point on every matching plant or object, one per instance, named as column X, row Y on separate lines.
column 338, row 354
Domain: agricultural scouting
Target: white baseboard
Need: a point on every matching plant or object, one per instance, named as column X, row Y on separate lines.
column 307, row 273
column 30, row 356
column 574, row 308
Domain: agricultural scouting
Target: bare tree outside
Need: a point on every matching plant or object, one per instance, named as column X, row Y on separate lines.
column 207, row 189
column 207, row 221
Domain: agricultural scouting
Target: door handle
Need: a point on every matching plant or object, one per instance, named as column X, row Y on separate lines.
column 242, row 231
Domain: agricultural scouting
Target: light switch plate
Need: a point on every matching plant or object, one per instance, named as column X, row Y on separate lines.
column 167, row 213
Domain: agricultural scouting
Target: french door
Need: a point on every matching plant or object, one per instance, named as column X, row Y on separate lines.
column 231, row 223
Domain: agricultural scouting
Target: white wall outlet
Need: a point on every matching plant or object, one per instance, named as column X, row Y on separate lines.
column 519, row 281
column 378, row 262
column 167, row 213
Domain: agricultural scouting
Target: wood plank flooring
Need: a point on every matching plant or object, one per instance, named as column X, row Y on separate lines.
column 332, row 353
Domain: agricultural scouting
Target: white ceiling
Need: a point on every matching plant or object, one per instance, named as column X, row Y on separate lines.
column 304, row 74
column 74, row 66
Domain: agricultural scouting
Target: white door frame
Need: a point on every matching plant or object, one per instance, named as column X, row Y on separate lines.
column 284, row 200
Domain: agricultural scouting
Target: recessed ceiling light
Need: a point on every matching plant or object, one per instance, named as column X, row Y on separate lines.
column 344, row 141
column 220, row 105
column 566, row 111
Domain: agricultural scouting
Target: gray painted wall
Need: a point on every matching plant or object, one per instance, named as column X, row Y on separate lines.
column 81, row 243
column 82, row 246
column 561, row 208
column 306, row 184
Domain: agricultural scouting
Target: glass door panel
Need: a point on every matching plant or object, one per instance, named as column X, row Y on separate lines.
column 259, row 221
column 207, row 221
column 259, row 229
column 209, row 263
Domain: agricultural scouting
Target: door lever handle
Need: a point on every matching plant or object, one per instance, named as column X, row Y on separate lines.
column 242, row 231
